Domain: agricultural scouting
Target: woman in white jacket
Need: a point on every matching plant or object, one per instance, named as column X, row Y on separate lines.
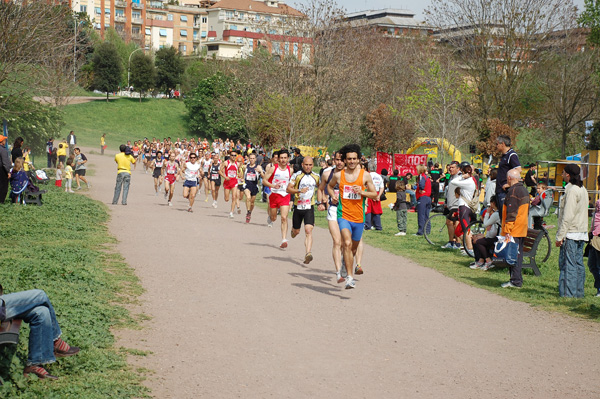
column 572, row 234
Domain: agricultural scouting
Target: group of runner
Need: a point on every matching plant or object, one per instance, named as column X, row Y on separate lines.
column 341, row 190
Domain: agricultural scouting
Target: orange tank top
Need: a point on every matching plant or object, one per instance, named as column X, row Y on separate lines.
column 351, row 206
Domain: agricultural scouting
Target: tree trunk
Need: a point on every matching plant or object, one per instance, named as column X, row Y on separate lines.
column 106, row 96
column 563, row 145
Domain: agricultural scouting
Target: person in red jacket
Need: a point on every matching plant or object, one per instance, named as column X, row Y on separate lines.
column 423, row 194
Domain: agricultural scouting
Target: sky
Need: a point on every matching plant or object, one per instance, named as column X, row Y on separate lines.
column 417, row 6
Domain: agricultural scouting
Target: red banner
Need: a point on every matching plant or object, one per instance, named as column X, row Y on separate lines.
column 384, row 161
column 407, row 163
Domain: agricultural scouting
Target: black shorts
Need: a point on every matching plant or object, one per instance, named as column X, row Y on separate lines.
column 253, row 188
column 157, row 172
column 306, row 215
column 80, row 172
column 453, row 216
column 217, row 182
column 241, row 187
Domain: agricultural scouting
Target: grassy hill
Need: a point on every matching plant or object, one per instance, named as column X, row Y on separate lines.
column 125, row 119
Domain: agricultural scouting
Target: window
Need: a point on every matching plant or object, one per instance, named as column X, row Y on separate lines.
column 213, row 47
column 98, row 10
column 82, row 8
column 162, row 32
column 184, row 47
column 390, row 31
column 204, row 20
column 233, row 27
column 183, row 33
column 183, row 18
column 229, row 14
column 148, row 31
column 241, row 15
column 203, row 33
column 119, row 12
column 286, row 48
column 296, row 49
column 272, row 32
column 276, row 48
column 135, row 30
column 136, row 14
column 169, row 17
column 239, row 40
column 251, row 45
column 268, row 18
column 107, row 11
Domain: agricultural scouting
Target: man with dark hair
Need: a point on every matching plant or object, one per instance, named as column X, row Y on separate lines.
column 71, row 141
column 278, row 179
column 354, row 186
column 5, row 166
column 124, row 162
column 436, row 174
column 509, row 160
column 451, row 206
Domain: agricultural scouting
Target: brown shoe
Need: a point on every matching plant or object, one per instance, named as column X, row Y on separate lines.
column 39, row 371
column 73, row 350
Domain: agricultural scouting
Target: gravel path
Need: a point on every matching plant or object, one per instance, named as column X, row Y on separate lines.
column 235, row 316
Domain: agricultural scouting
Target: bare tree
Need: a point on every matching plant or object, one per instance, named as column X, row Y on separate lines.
column 36, row 47
column 496, row 41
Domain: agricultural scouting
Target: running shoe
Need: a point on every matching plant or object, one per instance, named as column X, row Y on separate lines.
column 248, row 216
column 190, row 209
column 206, row 200
column 283, row 244
column 349, row 283
column 215, row 204
column 476, row 265
column 508, row 285
column 170, row 203
column 457, row 246
column 166, row 195
column 230, row 215
column 487, row 266
column 308, row 258
column 358, row 270
column 338, row 276
column 402, row 233
column 448, row 245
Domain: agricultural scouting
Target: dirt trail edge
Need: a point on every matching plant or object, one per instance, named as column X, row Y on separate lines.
column 234, row 316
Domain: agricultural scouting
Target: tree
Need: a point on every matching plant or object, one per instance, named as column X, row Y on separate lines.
column 590, row 18
column 143, row 73
column 491, row 130
column 107, row 68
column 496, row 42
column 388, row 131
column 169, row 68
column 32, row 37
column 124, row 49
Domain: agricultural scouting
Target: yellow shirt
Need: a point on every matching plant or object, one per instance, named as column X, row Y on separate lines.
column 68, row 172
column 102, row 141
column 62, row 151
column 26, row 163
column 124, row 162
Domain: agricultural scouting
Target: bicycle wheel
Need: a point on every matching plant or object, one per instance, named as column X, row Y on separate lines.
column 544, row 247
column 475, row 227
column 436, row 232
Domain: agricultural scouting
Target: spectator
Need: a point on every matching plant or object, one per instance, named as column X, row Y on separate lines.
column 392, row 181
column 423, row 197
column 468, row 189
column 384, row 176
column 62, row 152
column 490, row 187
column 5, row 166
column 102, row 143
column 594, row 255
column 514, row 222
column 436, row 175
column 572, row 233
column 27, row 159
column 484, row 246
column 374, row 211
column 49, row 149
column 401, row 208
column 409, row 190
column 17, row 151
column 530, row 179
column 509, row 160
column 124, row 159
column 71, row 141
column 451, row 206
column 537, row 210
column 80, row 169
column 18, row 181
column 45, row 344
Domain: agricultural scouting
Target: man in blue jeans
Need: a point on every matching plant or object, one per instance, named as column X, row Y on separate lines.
column 45, row 344
column 124, row 159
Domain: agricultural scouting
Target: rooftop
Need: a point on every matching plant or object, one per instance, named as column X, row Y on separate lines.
column 262, row 6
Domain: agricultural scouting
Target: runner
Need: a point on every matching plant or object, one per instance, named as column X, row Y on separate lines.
column 303, row 185
column 270, row 167
column 215, row 178
column 157, row 173
column 172, row 170
column 191, row 172
column 240, row 161
column 278, row 179
column 229, row 171
column 146, row 155
column 354, row 186
column 251, row 175
column 334, row 228
column 135, row 152
column 205, row 162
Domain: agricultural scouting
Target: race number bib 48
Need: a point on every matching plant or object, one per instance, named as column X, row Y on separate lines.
column 349, row 193
column 304, row 203
column 214, row 176
column 251, row 176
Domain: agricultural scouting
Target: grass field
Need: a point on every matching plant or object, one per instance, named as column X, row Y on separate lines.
column 125, row 119
column 64, row 248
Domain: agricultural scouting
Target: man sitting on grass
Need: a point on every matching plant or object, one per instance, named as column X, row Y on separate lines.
column 45, row 344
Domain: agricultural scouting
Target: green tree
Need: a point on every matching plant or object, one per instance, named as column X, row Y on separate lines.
column 169, row 68
column 123, row 49
column 143, row 73
column 107, row 68
column 590, row 18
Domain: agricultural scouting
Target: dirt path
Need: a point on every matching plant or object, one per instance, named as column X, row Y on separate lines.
column 234, row 316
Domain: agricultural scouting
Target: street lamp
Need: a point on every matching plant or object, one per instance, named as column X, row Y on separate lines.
column 129, row 63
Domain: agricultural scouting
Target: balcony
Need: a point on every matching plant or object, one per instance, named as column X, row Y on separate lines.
column 196, row 39
column 121, row 4
column 137, row 21
column 137, row 6
column 120, row 18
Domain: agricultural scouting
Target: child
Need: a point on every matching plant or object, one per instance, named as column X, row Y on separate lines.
column 58, row 181
column 537, row 210
column 484, row 246
column 69, row 175
column 18, row 181
column 401, row 207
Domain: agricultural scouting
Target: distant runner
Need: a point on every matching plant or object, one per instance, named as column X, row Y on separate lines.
column 277, row 179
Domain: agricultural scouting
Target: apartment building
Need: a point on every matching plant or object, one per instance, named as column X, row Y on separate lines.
column 390, row 22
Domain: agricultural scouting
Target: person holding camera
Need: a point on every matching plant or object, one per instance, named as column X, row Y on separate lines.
column 124, row 159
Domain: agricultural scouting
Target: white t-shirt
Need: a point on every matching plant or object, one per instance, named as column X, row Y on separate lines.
column 191, row 171
column 377, row 180
column 281, row 177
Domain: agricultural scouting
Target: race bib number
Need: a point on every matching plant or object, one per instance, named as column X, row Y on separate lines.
column 303, row 203
column 349, row 193
column 214, row 176
column 231, row 173
column 282, row 183
column 251, row 177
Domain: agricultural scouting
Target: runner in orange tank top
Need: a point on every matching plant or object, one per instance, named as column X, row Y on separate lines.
column 354, row 187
